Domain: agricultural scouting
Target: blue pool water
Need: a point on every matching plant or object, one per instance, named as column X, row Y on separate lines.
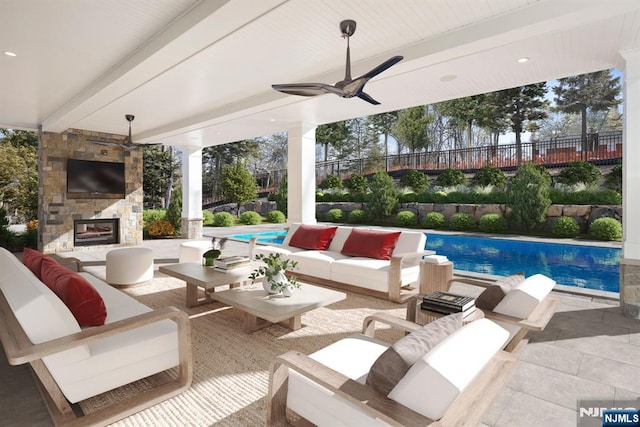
column 589, row 267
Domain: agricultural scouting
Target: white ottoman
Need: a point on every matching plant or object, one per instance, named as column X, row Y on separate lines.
column 128, row 266
column 193, row 250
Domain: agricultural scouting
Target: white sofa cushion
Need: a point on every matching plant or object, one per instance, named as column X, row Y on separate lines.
column 410, row 241
column 370, row 273
column 315, row 263
column 41, row 314
column 352, row 357
column 342, row 233
column 523, row 298
column 439, row 377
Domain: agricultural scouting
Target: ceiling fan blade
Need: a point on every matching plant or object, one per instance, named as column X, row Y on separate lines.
column 107, row 143
column 382, row 67
column 307, row 89
column 367, row 98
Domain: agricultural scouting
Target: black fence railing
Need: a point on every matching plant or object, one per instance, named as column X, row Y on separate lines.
column 602, row 148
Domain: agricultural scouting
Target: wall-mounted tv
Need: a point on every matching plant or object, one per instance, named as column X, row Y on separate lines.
column 93, row 179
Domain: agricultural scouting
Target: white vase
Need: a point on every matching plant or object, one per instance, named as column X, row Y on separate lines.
column 288, row 290
column 278, row 278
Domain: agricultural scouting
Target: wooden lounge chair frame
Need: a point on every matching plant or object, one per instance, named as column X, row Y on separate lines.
column 536, row 321
column 20, row 350
column 468, row 409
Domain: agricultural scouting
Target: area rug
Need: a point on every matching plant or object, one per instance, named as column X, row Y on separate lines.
column 231, row 367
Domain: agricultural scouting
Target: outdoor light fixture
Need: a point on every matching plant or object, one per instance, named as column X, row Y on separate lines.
column 12, row 54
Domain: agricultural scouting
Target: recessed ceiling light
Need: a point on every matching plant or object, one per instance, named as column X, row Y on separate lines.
column 448, row 78
column 272, row 120
column 6, row 52
column 523, row 59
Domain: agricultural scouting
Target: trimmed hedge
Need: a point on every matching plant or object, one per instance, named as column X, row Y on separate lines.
column 606, row 229
column 493, row 223
column 223, row 219
column 358, row 216
column 275, row 217
column 565, row 226
column 406, row 219
column 335, row 215
column 462, row 221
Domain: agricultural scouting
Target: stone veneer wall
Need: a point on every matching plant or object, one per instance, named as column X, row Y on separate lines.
column 56, row 212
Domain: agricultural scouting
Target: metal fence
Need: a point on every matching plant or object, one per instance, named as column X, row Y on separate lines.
column 602, row 148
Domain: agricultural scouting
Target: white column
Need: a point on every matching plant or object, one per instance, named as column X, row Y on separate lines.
column 301, row 173
column 630, row 261
column 191, row 192
column 631, row 157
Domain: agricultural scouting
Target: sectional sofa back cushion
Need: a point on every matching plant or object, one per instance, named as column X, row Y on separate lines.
column 315, row 237
column 437, row 379
column 33, row 260
column 492, row 295
column 523, row 298
column 82, row 299
column 370, row 243
column 394, row 363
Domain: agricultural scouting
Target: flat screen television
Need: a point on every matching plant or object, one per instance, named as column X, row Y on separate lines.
column 93, row 179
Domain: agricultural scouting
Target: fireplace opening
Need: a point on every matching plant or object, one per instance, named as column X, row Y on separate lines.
column 96, row 232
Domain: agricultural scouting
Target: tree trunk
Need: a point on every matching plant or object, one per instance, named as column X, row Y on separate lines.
column 583, row 135
column 168, row 190
column 518, row 148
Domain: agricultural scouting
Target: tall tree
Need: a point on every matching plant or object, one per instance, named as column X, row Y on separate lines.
column 522, row 105
column 597, row 91
column 214, row 159
column 19, row 173
column 411, row 128
column 464, row 112
column 332, row 135
column 160, row 168
column 384, row 124
column 237, row 184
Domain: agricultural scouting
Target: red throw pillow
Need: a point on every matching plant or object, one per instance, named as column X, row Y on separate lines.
column 82, row 299
column 312, row 237
column 33, row 260
column 370, row 243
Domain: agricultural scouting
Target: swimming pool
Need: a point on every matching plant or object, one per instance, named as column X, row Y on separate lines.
column 589, row 267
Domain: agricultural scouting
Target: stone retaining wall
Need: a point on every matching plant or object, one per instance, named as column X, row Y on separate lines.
column 584, row 214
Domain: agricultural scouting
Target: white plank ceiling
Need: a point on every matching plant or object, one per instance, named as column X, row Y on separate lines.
column 199, row 73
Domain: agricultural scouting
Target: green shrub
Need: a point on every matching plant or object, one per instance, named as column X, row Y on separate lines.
column 613, row 180
column 382, row 200
column 207, row 218
column 565, row 226
column 331, row 181
column 528, row 197
column 223, row 219
column 450, row 178
column 356, row 183
column 434, row 220
column 606, row 229
column 489, row 175
column 493, row 223
column 462, row 221
column 440, row 197
column 415, row 180
column 174, row 211
column 585, row 197
column 30, row 238
column 275, row 217
column 358, row 216
column 335, row 215
column 579, row 171
column 406, row 219
column 250, row 218
column 152, row 215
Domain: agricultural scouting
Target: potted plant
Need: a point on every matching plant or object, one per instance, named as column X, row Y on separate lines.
column 217, row 245
column 274, row 280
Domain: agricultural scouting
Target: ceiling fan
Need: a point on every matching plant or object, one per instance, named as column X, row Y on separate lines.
column 347, row 88
column 127, row 144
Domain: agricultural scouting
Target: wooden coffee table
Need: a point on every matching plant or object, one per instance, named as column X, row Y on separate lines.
column 263, row 310
column 198, row 276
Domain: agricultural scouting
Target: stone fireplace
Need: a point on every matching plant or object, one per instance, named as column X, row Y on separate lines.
column 63, row 219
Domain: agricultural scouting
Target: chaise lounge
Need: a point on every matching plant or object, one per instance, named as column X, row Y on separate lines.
column 443, row 374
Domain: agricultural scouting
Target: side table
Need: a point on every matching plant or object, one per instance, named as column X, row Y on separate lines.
column 420, row 316
column 435, row 277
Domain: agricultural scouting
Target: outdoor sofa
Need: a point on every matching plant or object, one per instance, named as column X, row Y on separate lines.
column 83, row 337
column 373, row 261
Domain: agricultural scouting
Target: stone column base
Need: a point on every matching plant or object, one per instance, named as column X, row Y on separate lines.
column 630, row 287
column 191, row 228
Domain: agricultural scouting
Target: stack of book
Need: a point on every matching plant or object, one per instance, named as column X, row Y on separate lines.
column 230, row 263
column 447, row 303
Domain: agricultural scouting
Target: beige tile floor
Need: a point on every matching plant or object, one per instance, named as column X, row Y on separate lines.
column 589, row 351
